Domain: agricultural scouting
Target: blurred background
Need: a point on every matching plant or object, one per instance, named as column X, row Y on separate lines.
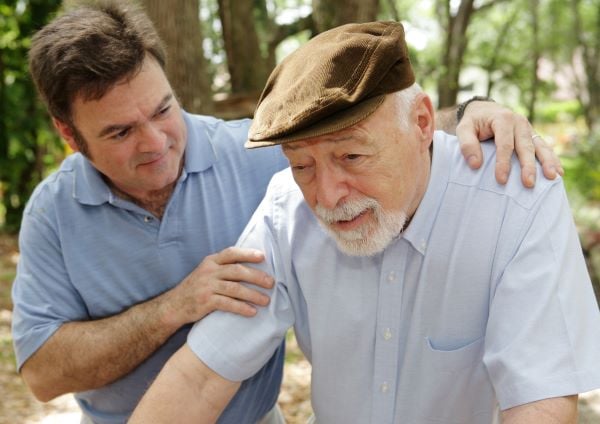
column 538, row 57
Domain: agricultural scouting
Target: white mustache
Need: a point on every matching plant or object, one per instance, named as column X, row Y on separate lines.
column 346, row 211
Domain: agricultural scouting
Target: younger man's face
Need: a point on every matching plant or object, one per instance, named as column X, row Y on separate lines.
column 134, row 134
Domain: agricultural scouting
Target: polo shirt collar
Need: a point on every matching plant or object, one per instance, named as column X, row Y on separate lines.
column 199, row 152
column 89, row 187
column 419, row 229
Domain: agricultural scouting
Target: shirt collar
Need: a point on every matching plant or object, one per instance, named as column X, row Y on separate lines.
column 420, row 227
column 89, row 187
column 199, row 152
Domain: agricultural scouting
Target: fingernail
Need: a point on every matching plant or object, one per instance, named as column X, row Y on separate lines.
column 531, row 180
column 553, row 171
column 473, row 161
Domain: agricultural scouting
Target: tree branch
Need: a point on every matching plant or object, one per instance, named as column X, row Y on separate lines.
column 487, row 5
column 393, row 10
column 284, row 31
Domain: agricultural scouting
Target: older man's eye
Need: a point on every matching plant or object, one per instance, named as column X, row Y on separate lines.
column 352, row 157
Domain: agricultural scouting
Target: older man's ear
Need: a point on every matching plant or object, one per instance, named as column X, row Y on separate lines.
column 425, row 119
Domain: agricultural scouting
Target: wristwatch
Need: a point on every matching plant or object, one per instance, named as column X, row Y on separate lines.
column 460, row 111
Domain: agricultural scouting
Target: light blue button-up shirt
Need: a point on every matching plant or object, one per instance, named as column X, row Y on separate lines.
column 483, row 303
column 87, row 254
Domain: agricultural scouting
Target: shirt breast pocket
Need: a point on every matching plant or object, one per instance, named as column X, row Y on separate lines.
column 456, row 387
column 453, row 360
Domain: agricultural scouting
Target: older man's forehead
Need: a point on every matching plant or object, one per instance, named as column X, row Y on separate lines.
column 356, row 133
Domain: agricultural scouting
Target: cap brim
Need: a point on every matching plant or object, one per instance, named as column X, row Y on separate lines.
column 336, row 122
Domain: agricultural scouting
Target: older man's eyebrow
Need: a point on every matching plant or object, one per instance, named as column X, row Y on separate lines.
column 347, row 135
column 115, row 128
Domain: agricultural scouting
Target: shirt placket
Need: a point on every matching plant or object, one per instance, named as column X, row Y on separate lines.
column 389, row 308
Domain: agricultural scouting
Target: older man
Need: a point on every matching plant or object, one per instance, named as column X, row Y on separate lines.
column 434, row 293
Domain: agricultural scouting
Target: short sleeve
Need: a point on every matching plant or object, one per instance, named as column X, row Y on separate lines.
column 543, row 333
column 42, row 293
column 237, row 347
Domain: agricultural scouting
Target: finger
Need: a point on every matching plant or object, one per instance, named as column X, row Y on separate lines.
column 235, row 254
column 469, row 144
column 239, row 291
column 247, row 274
column 550, row 162
column 504, row 137
column 524, row 146
column 228, row 304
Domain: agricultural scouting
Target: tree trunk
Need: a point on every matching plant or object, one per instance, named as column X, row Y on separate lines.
column 178, row 23
column 453, row 53
column 492, row 65
column 328, row 14
column 248, row 67
column 590, row 46
column 535, row 81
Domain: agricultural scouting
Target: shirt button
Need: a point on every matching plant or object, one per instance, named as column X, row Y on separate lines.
column 423, row 244
column 147, row 219
column 387, row 334
column 391, row 276
column 384, row 387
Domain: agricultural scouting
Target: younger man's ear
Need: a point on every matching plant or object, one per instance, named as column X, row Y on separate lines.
column 66, row 132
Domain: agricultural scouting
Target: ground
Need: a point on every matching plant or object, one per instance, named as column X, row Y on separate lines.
column 17, row 405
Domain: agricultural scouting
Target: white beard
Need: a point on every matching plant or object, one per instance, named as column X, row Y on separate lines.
column 371, row 237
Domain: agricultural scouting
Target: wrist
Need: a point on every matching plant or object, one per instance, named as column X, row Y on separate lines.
column 462, row 107
column 169, row 312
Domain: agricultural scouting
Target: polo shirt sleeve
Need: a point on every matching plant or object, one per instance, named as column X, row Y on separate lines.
column 42, row 293
column 543, row 333
column 237, row 347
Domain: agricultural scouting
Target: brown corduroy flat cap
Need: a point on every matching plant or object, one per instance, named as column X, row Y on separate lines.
column 331, row 82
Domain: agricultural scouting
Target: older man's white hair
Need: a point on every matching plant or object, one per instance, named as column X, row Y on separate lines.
column 404, row 102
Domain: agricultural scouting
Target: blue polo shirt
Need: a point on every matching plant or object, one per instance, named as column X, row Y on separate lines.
column 88, row 254
column 482, row 304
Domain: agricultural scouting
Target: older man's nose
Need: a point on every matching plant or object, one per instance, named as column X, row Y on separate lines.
column 332, row 187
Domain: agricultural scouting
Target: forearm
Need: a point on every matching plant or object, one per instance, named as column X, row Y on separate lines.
column 561, row 410
column 86, row 355
column 185, row 391
column 445, row 120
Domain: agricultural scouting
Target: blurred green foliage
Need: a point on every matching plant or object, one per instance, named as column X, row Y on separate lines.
column 28, row 145
column 582, row 180
column 582, row 166
column 564, row 111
